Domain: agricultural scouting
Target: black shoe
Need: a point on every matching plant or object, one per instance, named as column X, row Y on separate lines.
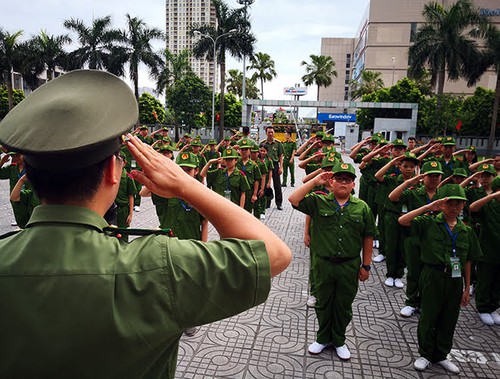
column 280, row 208
column 293, row 185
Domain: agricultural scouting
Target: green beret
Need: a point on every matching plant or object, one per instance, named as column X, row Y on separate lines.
column 187, row 160
column 452, row 192
column 344, row 167
column 230, row 153
column 73, row 121
column 432, row 167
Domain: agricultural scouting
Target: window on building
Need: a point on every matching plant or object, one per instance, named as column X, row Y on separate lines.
column 348, row 61
column 413, row 31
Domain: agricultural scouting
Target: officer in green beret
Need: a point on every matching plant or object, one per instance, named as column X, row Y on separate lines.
column 228, row 181
column 251, row 171
column 289, row 149
column 77, row 299
column 450, row 246
column 411, row 195
column 487, row 212
column 342, row 225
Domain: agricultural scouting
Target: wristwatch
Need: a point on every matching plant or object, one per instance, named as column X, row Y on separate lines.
column 366, row 267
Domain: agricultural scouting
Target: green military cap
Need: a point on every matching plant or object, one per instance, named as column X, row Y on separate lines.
column 188, row 135
column 144, row 127
column 449, row 141
column 460, row 172
column 489, row 168
column 255, row 148
column 495, row 184
column 245, row 143
column 439, row 139
column 320, row 134
column 198, row 137
column 227, row 138
column 166, row 139
column 166, row 148
column 196, row 142
column 341, row 167
column 164, row 128
column 329, row 161
column 328, row 137
column 230, row 153
column 382, row 141
column 472, row 148
column 12, row 153
column 212, row 142
column 431, row 167
column 73, row 121
column 187, row 160
column 375, row 138
column 409, row 156
column 452, row 192
column 398, row 142
column 328, row 149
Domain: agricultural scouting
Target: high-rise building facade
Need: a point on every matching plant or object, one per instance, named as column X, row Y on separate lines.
column 381, row 44
column 181, row 15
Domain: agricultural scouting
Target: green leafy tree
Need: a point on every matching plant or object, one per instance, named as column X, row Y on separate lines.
column 151, row 111
column 176, row 67
column 319, row 71
column 17, row 97
column 188, row 99
column 9, row 58
column 264, row 69
column 98, row 45
column 138, row 38
column 235, row 85
column 237, row 44
column 443, row 43
column 369, row 81
column 477, row 112
column 47, row 52
column 232, row 106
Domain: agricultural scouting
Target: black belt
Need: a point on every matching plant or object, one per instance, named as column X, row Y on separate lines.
column 338, row 260
column 441, row 268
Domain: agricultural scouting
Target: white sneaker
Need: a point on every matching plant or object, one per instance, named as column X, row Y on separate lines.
column 389, row 282
column 262, row 217
column 343, row 352
column 471, row 290
column 398, row 283
column 407, row 311
column 486, row 319
column 448, row 366
column 315, row 348
column 137, row 208
column 496, row 317
column 13, row 223
column 311, row 301
column 421, row 364
column 379, row 258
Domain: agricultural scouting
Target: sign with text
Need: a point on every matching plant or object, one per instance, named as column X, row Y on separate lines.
column 342, row 117
column 295, row 91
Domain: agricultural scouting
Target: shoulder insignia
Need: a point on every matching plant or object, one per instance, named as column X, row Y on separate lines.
column 320, row 193
column 8, row 234
column 242, row 173
column 113, row 231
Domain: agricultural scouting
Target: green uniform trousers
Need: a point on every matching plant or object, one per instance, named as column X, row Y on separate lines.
column 488, row 287
column 287, row 166
column 381, row 228
column 393, row 245
column 137, row 197
column 414, row 267
column 122, row 212
column 363, row 189
column 370, row 198
column 259, row 207
column 22, row 213
column 336, row 287
column 312, row 285
column 441, row 296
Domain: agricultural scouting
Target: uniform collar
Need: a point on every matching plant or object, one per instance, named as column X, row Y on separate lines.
column 352, row 199
column 459, row 226
column 66, row 214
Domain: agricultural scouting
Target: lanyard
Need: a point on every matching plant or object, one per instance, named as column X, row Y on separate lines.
column 186, row 206
column 227, row 181
column 453, row 239
column 339, row 207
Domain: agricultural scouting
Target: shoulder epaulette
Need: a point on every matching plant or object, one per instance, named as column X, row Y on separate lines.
column 8, row 234
column 113, row 231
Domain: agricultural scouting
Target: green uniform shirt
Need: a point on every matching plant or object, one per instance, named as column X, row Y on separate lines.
column 338, row 232
column 289, row 148
column 184, row 220
column 414, row 198
column 12, row 173
column 251, row 171
column 126, row 189
column 78, row 303
column 489, row 235
column 148, row 139
column 438, row 242
column 274, row 150
column 391, row 182
column 237, row 183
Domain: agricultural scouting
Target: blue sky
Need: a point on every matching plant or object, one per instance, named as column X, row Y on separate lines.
column 288, row 30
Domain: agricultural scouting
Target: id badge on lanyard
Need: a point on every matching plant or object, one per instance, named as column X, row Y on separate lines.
column 456, row 266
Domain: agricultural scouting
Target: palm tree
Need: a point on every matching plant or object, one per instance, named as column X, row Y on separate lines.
column 369, row 82
column 9, row 58
column 443, row 43
column 264, row 70
column 175, row 68
column 46, row 52
column 98, row 49
column 235, row 85
column 237, row 44
column 320, row 71
column 138, row 37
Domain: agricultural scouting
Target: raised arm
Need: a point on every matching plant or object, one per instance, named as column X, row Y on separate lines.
column 478, row 204
column 437, row 205
column 398, row 191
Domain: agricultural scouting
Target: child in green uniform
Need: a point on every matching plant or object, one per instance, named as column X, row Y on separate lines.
column 270, row 166
column 24, row 200
column 259, row 207
column 251, row 171
column 342, row 226
column 450, row 245
column 125, row 199
column 229, row 181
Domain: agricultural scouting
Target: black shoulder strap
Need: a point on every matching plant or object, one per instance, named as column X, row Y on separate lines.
column 119, row 232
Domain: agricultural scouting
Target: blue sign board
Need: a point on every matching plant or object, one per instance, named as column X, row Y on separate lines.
column 342, row 117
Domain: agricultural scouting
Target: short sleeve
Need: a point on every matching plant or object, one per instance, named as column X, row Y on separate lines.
column 475, row 251
column 370, row 225
column 308, row 204
column 211, row 281
column 420, row 223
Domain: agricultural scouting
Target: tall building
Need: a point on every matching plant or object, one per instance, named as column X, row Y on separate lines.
column 181, row 15
column 381, row 44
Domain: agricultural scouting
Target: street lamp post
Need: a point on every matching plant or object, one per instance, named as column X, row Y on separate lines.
column 245, row 3
column 214, row 41
column 393, row 68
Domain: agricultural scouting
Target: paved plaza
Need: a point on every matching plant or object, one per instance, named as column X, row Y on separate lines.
column 271, row 340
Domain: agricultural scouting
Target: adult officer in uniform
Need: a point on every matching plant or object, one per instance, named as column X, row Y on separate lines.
column 77, row 301
column 289, row 149
column 275, row 153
